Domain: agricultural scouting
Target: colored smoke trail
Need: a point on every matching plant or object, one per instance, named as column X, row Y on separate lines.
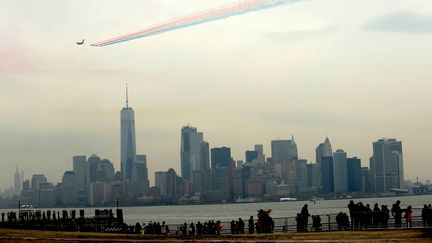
column 224, row 12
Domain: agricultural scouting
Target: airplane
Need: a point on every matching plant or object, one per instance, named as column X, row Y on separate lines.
column 80, row 42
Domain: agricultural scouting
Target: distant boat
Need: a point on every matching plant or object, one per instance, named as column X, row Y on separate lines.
column 246, row 200
column 288, row 199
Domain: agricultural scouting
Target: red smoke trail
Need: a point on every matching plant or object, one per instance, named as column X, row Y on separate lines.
column 197, row 18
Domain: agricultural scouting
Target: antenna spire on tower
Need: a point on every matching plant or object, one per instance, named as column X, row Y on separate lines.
column 127, row 98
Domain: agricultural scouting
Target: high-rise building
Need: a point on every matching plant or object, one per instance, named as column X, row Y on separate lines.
column 17, row 182
column 140, row 182
column 387, row 165
column 260, row 156
column 367, row 184
column 205, row 157
column 172, row 184
column 46, row 195
column 323, row 149
column 251, row 156
column 80, row 169
column 160, row 181
column 284, row 150
column 284, row 155
column 69, row 189
column 37, row 180
column 128, row 144
column 327, row 174
column 340, row 169
column 301, row 173
column 354, row 174
column 105, row 171
column 192, row 152
column 92, row 167
column 221, row 157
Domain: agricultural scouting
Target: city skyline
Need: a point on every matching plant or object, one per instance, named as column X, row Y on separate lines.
column 353, row 71
column 284, row 144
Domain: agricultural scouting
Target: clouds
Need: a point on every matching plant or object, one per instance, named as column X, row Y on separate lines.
column 403, row 22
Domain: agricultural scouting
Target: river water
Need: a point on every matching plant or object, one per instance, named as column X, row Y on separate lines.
column 226, row 212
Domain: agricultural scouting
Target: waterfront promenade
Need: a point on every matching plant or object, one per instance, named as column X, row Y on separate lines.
column 391, row 235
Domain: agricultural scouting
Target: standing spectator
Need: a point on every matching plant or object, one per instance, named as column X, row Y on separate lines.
column 385, row 215
column 218, row 227
column 368, row 216
column 199, row 228
column 424, row 215
column 251, row 225
column 376, row 219
column 316, row 222
column 305, row 214
column 240, row 226
column 300, row 222
column 408, row 217
column 192, row 229
column 233, row 227
column 397, row 214
column 352, row 211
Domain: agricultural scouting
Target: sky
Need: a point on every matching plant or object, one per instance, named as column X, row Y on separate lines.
column 355, row 71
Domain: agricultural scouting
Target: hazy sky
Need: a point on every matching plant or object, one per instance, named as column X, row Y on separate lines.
column 354, row 70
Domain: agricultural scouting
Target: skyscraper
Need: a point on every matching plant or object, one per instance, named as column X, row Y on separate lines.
column 323, row 149
column 92, row 166
column 37, row 180
column 160, row 181
column 284, row 150
column 140, row 182
column 327, row 174
column 387, row 165
column 17, row 182
column 251, row 155
column 340, row 170
column 192, row 152
column 284, row 154
column 80, row 169
column 354, row 174
column 220, row 157
column 127, row 136
column 69, row 189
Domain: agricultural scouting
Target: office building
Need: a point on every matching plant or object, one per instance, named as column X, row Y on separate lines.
column 37, row 179
column 340, row 171
column 140, row 182
column 80, row 169
column 92, row 167
column 220, row 157
column 160, row 181
column 127, row 140
column 354, row 174
column 192, row 152
column 69, row 189
column 327, row 174
column 251, row 156
column 17, row 182
column 323, row 150
column 387, row 165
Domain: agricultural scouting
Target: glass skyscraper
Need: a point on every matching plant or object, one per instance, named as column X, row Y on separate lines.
column 128, row 144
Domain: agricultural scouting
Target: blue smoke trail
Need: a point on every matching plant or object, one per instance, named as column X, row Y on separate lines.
column 208, row 19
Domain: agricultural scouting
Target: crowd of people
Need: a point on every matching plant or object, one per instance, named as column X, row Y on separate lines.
column 207, row 228
column 361, row 216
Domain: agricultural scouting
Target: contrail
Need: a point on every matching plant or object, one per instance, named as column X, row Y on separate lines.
column 245, row 6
